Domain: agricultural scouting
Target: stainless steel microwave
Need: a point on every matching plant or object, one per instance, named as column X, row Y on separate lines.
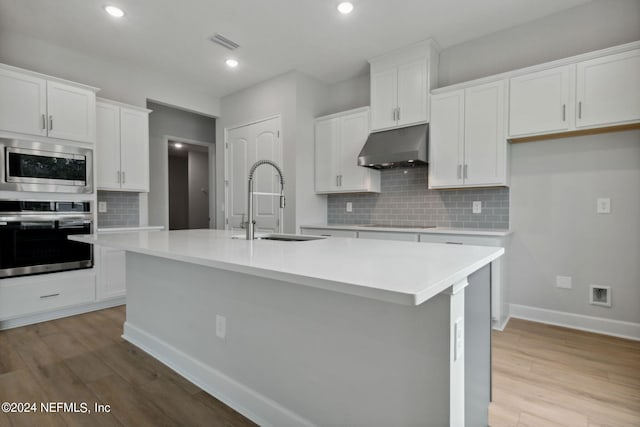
column 39, row 166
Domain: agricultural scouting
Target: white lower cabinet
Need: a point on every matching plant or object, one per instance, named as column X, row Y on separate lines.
column 112, row 280
column 329, row 233
column 32, row 295
column 499, row 302
column 385, row 235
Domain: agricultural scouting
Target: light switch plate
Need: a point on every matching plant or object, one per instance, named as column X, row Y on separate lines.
column 563, row 282
column 477, row 207
column 102, row 207
column 604, row 205
column 349, row 207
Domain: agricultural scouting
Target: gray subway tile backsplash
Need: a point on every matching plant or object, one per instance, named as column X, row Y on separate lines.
column 123, row 209
column 405, row 200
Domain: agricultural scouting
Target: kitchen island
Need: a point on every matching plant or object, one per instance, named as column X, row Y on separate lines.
column 334, row 331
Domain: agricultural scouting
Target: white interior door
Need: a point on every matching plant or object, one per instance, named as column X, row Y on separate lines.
column 246, row 145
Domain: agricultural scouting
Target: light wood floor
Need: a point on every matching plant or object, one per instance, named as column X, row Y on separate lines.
column 543, row 376
column 83, row 359
column 550, row 376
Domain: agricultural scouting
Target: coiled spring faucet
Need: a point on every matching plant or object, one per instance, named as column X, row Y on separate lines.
column 250, row 221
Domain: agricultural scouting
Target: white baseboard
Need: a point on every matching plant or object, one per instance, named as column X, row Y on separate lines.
column 58, row 314
column 253, row 405
column 499, row 326
column 616, row 328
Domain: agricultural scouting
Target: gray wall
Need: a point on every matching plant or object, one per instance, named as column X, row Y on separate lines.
column 119, row 81
column 405, row 200
column 166, row 121
column 347, row 95
column 178, row 193
column 557, row 231
column 122, row 209
column 198, row 180
column 555, row 183
column 595, row 25
column 296, row 98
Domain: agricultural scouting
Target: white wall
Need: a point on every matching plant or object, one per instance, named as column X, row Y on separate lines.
column 595, row 25
column 555, row 183
column 198, row 179
column 297, row 99
column 557, row 231
column 166, row 121
column 118, row 81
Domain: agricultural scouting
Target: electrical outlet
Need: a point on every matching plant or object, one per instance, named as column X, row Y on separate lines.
column 563, row 282
column 349, row 207
column 603, row 205
column 102, row 207
column 477, row 207
column 221, row 326
column 458, row 334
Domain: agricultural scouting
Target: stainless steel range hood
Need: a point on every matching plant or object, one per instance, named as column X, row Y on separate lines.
column 396, row 148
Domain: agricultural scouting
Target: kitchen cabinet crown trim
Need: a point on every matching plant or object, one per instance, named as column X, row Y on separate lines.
column 122, row 104
column 48, row 77
column 541, row 67
column 343, row 113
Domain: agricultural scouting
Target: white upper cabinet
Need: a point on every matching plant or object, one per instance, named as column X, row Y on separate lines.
column 23, row 103
column 122, row 147
column 600, row 92
column 539, row 102
column 467, row 146
column 34, row 104
column 446, row 139
column 608, row 90
column 400, row 84
column 339, row 139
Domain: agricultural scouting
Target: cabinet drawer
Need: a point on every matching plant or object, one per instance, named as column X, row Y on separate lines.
column 385, row 235
column 30, row 296
column 461, row 240
column 330, row 233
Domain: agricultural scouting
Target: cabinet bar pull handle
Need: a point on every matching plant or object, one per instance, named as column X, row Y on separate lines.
column 459, row 171
column 340, row 180
column 44, row 122
column 580, row 109
column 50, row 122
column 124, row 177
column 118, row 176
column 564, row 112
column 466, row 171
column 453, row 243
column 337, row 180
column 49, row 296
column 398, row 119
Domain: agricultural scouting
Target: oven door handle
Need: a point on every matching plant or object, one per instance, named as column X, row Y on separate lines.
column 72, row 223
column 38, row 225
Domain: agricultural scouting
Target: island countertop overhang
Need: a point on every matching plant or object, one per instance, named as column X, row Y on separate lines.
column 407, row 273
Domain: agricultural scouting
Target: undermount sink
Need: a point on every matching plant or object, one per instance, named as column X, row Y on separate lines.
column 281, row 237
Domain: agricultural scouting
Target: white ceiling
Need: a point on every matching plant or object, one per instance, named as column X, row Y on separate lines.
column 274, row 36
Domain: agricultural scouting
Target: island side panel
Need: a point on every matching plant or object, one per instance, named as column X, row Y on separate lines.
column 477, row 341
column 293, row 355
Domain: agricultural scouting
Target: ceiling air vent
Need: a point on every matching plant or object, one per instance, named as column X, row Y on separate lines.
column 225, row 42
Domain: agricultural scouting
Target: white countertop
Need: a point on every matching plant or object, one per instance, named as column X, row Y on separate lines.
column 125, row 229
column 432, row 230
column 399, row 272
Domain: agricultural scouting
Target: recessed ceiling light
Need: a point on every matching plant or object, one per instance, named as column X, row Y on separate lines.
column 114, row 11
column 345, row 7
column 231, row 63
column 177, row 145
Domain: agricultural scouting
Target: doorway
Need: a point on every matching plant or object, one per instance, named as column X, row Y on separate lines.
column 244, row 145
column 188, row 184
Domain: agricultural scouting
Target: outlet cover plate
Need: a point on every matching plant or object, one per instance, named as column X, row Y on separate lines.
column 102, row 207
column 563, row 282
column 603, row 205
column 349, row 207
column 477, row 207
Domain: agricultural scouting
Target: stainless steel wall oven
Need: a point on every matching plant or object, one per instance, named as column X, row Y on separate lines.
column 33, row 236
column 44, row 167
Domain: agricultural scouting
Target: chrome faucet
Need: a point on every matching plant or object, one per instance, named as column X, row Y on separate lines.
column 250, row 221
